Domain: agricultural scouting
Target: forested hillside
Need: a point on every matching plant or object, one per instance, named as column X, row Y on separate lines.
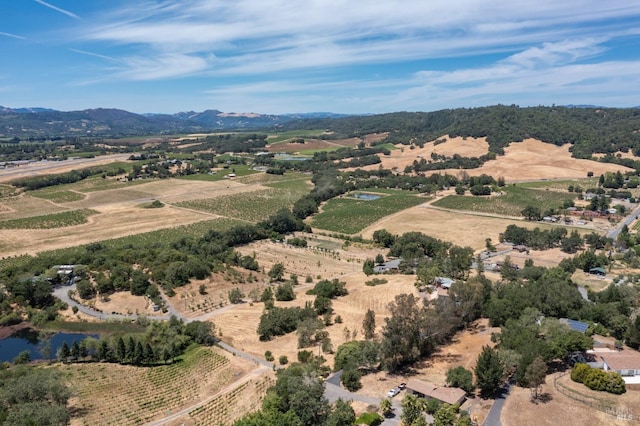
column 590, row 130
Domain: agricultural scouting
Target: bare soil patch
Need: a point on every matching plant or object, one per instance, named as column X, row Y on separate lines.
column 48, row 167
column 118, row 223
column 124, row 303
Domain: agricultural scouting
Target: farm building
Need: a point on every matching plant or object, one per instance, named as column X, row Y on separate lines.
column 598, row 271
column 392, row 265
column 440, row 393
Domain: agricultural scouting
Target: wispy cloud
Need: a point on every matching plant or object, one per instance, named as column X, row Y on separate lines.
column 12, row 35
column 57, row 9
column 95, row 55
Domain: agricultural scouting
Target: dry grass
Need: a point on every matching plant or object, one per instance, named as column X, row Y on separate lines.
column 527, row 160
column 562, row 410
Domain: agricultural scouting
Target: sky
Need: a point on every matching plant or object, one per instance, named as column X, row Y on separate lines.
column 342, row 56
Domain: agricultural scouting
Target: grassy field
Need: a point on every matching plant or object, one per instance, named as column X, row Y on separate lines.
column 511, row 203
column 350, row 215
column 55, row 220
column 111, row 394
column 63, row 196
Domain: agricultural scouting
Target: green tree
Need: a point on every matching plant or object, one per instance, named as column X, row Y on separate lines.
column 342, row 414
column 284, row 292
column 412, row 408
column 445, row 416
column 460, row 377
column 489, row 372
column 531, row 213
column 535, row 376
column 386, row 407
column 235, row 295
column 64, row 353
column 369, row 324
column 276, row 273
column 351, row 378
column 368, row 266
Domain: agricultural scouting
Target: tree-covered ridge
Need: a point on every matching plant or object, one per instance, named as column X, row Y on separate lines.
column 590, row 130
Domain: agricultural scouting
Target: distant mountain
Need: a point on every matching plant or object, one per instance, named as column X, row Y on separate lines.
column 24, row 110
column 108, row 122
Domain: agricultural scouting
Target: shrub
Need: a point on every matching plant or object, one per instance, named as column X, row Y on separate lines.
column 376, row 281
column 284, row 292
column 579, row 372
column 268, row 356
column 283, row 360
column 615, row 383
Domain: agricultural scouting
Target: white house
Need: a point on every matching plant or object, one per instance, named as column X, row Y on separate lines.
column 625, row 362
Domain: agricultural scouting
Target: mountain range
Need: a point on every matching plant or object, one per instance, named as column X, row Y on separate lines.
column 108, row 122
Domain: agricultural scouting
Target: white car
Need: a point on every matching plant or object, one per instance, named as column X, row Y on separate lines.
column 393, row 392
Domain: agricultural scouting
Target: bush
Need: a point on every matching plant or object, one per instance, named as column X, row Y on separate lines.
column 283, row 360
column 579, row 372
column 284, row 292
column 598, row 380
column 376, row 281
column 460, row 377
column 268, row 356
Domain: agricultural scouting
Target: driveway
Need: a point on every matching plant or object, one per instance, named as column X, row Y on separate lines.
column 493, row 418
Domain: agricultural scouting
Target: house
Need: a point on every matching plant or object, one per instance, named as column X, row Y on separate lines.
column 625, row 362
column 392, row 265
column 431, row 391
column 598, row 271
column 575, row 325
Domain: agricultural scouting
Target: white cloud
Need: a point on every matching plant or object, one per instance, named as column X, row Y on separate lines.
column 166, row 66
column 12, row 35
column 57, row 9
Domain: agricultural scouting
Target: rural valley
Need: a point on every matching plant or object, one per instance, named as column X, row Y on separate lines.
column 461, row 267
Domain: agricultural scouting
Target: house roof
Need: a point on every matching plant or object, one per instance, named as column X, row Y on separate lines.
column 441, row 393
column 444, row 282
column 622, row 360
column 575, row 325
column 599, row 269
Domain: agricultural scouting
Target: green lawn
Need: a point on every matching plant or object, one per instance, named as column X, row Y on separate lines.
column 349, row 215
column 511, row 203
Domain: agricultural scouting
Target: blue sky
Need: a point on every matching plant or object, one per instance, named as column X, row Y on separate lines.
column 276, row 56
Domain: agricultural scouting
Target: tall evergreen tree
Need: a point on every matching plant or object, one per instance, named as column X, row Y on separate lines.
column 489, row 372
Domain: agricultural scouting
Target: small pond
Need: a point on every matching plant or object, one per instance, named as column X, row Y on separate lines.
column 33, row 341
column 364, row 196
column 289, row 157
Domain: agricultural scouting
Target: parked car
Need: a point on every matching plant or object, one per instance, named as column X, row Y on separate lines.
column 401, row 386
column 393, row 392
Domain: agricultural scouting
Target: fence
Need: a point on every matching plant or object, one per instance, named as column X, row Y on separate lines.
column 620, row 413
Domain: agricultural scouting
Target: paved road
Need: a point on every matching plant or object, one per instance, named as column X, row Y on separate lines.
column 62, row 293
column 613, row 234
column 493, row 418
column 334, row 391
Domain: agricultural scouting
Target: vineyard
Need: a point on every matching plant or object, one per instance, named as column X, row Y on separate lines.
column 249, row 206
column 511, row 202
column 63, row 196
column 225, row 408
column 124, row 395
column 55, row 220
column 350, row 215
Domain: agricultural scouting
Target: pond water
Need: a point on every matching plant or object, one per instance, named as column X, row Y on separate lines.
column 288, row 157
column 367, row 197
column 31, row 340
